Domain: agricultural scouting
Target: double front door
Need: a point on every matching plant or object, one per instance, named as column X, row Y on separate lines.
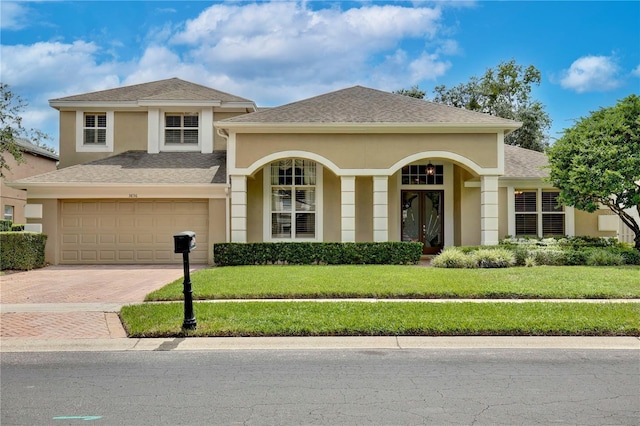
column 422, row 219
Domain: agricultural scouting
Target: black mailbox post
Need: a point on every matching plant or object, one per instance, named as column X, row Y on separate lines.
column 184, row 242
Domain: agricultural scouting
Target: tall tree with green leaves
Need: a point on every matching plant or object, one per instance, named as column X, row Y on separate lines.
column 504, row 92
column 597, row 162
column 414, row 92
column 11, row 108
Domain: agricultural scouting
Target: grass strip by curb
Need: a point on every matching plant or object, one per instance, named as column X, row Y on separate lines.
column 392, row 281
column 385, row 319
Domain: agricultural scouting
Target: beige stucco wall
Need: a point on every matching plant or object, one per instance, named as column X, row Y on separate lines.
column 32, row 165
column 219, row 142
column 470, row 217
column 587, row 223
column 130, row 133
column 255, row 207
column 364, row 208
column 331, row 206
column 367, row 151
column 49, row 221
column 217, row 223
column 503, row 213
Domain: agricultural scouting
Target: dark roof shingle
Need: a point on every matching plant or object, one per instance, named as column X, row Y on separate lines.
column 139, row 167
column 364, row 105
column 172, row 89
column 524, row 163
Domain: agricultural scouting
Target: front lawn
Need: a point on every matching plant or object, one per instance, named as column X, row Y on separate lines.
column 385, row 318
column 391, row 281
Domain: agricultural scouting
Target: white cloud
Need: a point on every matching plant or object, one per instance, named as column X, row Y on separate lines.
column 273, row 53
column 592, row 74
column 636, row 71
column 13, row 16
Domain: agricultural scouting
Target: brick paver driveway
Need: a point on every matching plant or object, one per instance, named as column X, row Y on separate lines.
column 76, row 301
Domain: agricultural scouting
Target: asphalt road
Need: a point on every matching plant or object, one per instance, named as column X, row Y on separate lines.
column 331, row 387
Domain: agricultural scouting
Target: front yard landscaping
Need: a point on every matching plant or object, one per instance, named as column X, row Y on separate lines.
column 341, row 318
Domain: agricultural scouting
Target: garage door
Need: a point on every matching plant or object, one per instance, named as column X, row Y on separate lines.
column 131, row 231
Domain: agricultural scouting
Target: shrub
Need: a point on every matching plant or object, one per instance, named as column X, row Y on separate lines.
column 17, row 228
column 452, row 257
column 5, row 225
column 22, row 250
column 602, row 257
column 493, row 258
column 548, row 256
column 233, row 254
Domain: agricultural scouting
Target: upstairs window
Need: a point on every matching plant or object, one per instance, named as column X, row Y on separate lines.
column 95, row 128
column 181, row 128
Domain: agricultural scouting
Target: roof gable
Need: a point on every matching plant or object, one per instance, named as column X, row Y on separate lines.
column 522, row 163
column 173, row 89
column 362, row 105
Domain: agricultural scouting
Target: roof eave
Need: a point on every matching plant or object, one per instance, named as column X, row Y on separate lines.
column 310, row 127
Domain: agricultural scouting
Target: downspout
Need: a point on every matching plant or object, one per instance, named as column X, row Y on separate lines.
column 227, row 189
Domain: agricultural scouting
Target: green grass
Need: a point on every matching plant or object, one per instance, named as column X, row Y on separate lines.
column 385, row 318
column 384, row 281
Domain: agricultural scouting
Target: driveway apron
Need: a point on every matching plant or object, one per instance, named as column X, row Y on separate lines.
column 66, row 302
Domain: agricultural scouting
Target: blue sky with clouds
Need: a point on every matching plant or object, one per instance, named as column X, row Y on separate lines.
column 282, row 51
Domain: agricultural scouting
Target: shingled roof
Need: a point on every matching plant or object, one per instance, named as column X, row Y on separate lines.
column 172, row 89
column 521, row 163
column 362, row 105
column 139, row 167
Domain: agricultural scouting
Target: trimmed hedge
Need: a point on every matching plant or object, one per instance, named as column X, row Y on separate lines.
column 5, row 225
column 384, row 253
column 22, row 250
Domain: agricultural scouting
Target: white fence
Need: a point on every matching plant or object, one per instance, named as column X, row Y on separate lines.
column 625, row 233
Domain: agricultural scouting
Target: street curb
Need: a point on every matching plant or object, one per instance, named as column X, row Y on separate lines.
column 319, row 343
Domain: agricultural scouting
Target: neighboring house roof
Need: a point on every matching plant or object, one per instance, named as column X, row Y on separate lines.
column 172, row 89
column 27, row 146
column 521, row 163
column 139, row 167
column 362, row 105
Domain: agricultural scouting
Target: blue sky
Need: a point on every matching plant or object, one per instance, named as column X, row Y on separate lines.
column 281, row 51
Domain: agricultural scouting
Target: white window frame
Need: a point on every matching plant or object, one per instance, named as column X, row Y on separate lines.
column 12, row 215
column 566, row 212
column 267, row 205
column 93, row 147
column 180, row 147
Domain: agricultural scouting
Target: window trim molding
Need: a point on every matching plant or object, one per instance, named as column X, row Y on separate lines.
column 266, row 209
column 81, row 146
column 569, row 212
column 164, row 147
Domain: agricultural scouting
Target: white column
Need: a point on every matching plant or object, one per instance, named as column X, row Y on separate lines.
column 153, row 131
column 348, row 208
column 489, row 210
column 206, row 131
column 380, row 208
column 238, row 209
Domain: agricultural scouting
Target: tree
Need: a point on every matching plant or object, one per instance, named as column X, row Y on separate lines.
column 597, row 161
column 11, row 129
column 504, row 92
column 414, row 92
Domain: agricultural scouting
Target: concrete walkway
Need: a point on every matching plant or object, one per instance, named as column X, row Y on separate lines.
column 74, row 308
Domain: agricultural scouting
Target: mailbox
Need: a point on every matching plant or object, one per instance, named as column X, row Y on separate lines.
column 184, row 242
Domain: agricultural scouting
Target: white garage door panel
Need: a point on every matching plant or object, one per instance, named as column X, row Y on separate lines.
column 124, row 231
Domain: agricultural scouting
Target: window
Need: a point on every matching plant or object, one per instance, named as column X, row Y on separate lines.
column 94, row 131
column 8, row 213
column 416, row 174
column 293, row 190
column 539, row 219
column 552, row 214
column 181, row 128
column 95, row 128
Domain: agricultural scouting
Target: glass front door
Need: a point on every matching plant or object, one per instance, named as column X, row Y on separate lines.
column 422, row 219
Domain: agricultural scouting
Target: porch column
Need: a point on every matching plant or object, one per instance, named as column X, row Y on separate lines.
column 348, row 208
column 489, row 210
column 380, row 208
column 238, row 209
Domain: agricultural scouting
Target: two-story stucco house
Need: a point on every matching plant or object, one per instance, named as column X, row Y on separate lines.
column 36, row 160
column 141, row 163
